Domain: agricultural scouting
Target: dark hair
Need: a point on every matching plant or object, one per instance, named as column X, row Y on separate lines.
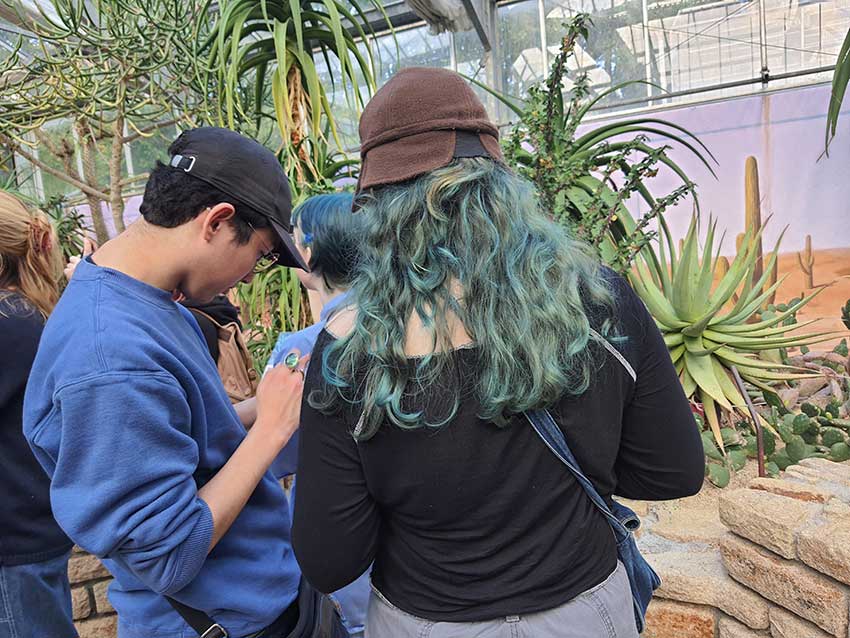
column 173, row 197
column 331, row 231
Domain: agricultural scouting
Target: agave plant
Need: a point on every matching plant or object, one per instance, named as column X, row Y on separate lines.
column 254, row 43
column 586, row 180
column 708, row 329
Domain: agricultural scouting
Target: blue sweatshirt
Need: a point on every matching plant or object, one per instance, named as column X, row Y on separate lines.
column 125, row 411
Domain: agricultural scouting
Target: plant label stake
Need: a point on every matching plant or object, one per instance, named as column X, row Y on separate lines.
column 755, row 417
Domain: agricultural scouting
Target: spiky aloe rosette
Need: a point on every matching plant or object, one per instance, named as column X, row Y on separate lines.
column 708, row 329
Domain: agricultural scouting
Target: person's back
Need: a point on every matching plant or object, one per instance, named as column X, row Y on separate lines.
column 472, row 308
column 34, row 550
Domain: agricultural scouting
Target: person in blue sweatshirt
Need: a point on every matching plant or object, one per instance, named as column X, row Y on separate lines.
column 151, row 467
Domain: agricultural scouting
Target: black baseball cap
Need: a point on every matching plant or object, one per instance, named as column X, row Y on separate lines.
column 246, row 171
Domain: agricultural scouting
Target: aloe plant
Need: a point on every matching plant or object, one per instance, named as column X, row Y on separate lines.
column 274, row 302
column 257, row 44
column 585, row 180
column 706, row 331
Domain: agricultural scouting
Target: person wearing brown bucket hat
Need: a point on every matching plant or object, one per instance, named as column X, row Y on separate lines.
column 479, row 333
column 420, row 120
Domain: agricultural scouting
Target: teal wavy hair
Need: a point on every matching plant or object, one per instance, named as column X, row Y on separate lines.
column 467, row 239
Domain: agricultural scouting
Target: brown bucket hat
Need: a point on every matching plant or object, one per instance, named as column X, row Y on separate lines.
column 419, row 121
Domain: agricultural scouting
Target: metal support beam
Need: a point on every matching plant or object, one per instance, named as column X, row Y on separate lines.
column 477, row 22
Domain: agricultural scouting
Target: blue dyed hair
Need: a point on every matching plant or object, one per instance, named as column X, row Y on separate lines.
column 467, row 240
column 330, row 230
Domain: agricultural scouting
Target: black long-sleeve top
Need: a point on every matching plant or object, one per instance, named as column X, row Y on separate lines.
column 471, row 521
column 28, row 532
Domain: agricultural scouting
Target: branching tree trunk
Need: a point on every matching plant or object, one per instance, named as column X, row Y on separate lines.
column 116, row 197
column 124, row 67
column 87, row 155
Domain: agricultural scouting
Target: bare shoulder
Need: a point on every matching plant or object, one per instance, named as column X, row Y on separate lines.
column 342, row 323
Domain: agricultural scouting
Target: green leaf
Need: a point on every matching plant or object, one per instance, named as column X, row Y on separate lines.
column 771, row 398
column 737, row 459
column 810, row 409
column 781, row 460
column 718, row 475
column 839, row 452
column 796, row 449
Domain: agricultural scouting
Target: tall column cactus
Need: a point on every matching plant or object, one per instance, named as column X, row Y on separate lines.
column 806, row 259
column 752, row 222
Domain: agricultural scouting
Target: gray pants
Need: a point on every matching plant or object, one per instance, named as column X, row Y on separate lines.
column 605, row 611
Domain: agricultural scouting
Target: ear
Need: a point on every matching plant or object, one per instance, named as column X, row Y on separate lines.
column 214, row 218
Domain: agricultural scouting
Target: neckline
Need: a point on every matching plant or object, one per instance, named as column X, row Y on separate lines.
column 88, row 269
column 412, row 357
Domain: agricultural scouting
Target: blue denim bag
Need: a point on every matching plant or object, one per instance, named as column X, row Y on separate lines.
column 624, row 522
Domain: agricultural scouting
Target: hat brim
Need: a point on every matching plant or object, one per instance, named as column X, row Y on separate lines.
column 289, row 255
column 406, row 157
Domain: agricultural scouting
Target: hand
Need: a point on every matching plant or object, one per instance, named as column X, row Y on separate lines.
column 89, row 246
column 70, row 267
column 279, row 400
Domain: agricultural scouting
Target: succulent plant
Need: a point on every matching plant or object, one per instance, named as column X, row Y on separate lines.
column 707, row 333
column 845, row 314
column 813, row 432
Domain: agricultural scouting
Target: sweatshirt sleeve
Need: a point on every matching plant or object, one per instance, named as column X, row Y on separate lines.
column 118, row 448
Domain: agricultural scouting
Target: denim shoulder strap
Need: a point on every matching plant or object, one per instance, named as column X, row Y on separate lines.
column 551, row 434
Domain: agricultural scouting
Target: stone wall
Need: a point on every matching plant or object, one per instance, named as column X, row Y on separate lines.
column 780, row 568
column 93, row 615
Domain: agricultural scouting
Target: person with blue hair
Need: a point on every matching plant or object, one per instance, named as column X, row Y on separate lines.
column 325, row 233
column 479, row 332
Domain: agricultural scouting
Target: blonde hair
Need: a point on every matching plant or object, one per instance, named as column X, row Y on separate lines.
column 30, row 261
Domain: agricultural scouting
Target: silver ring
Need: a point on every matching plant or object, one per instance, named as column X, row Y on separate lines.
column 303, row 373
column 291, row 360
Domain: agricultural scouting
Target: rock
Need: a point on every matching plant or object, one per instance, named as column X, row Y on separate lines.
column 85, row 567
column 102, row 627
column 700, row 578
column 826, row 548
column 836, row 510
column 665, row 619
column 80, row 603
column 837, row 392
column 795, row 587
column 784, row 624
column 729, row 628
column 789, row 397
column 101, row 602
column 770, row 520
column 791, row 489
column 807, row 387
column 829, row 470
